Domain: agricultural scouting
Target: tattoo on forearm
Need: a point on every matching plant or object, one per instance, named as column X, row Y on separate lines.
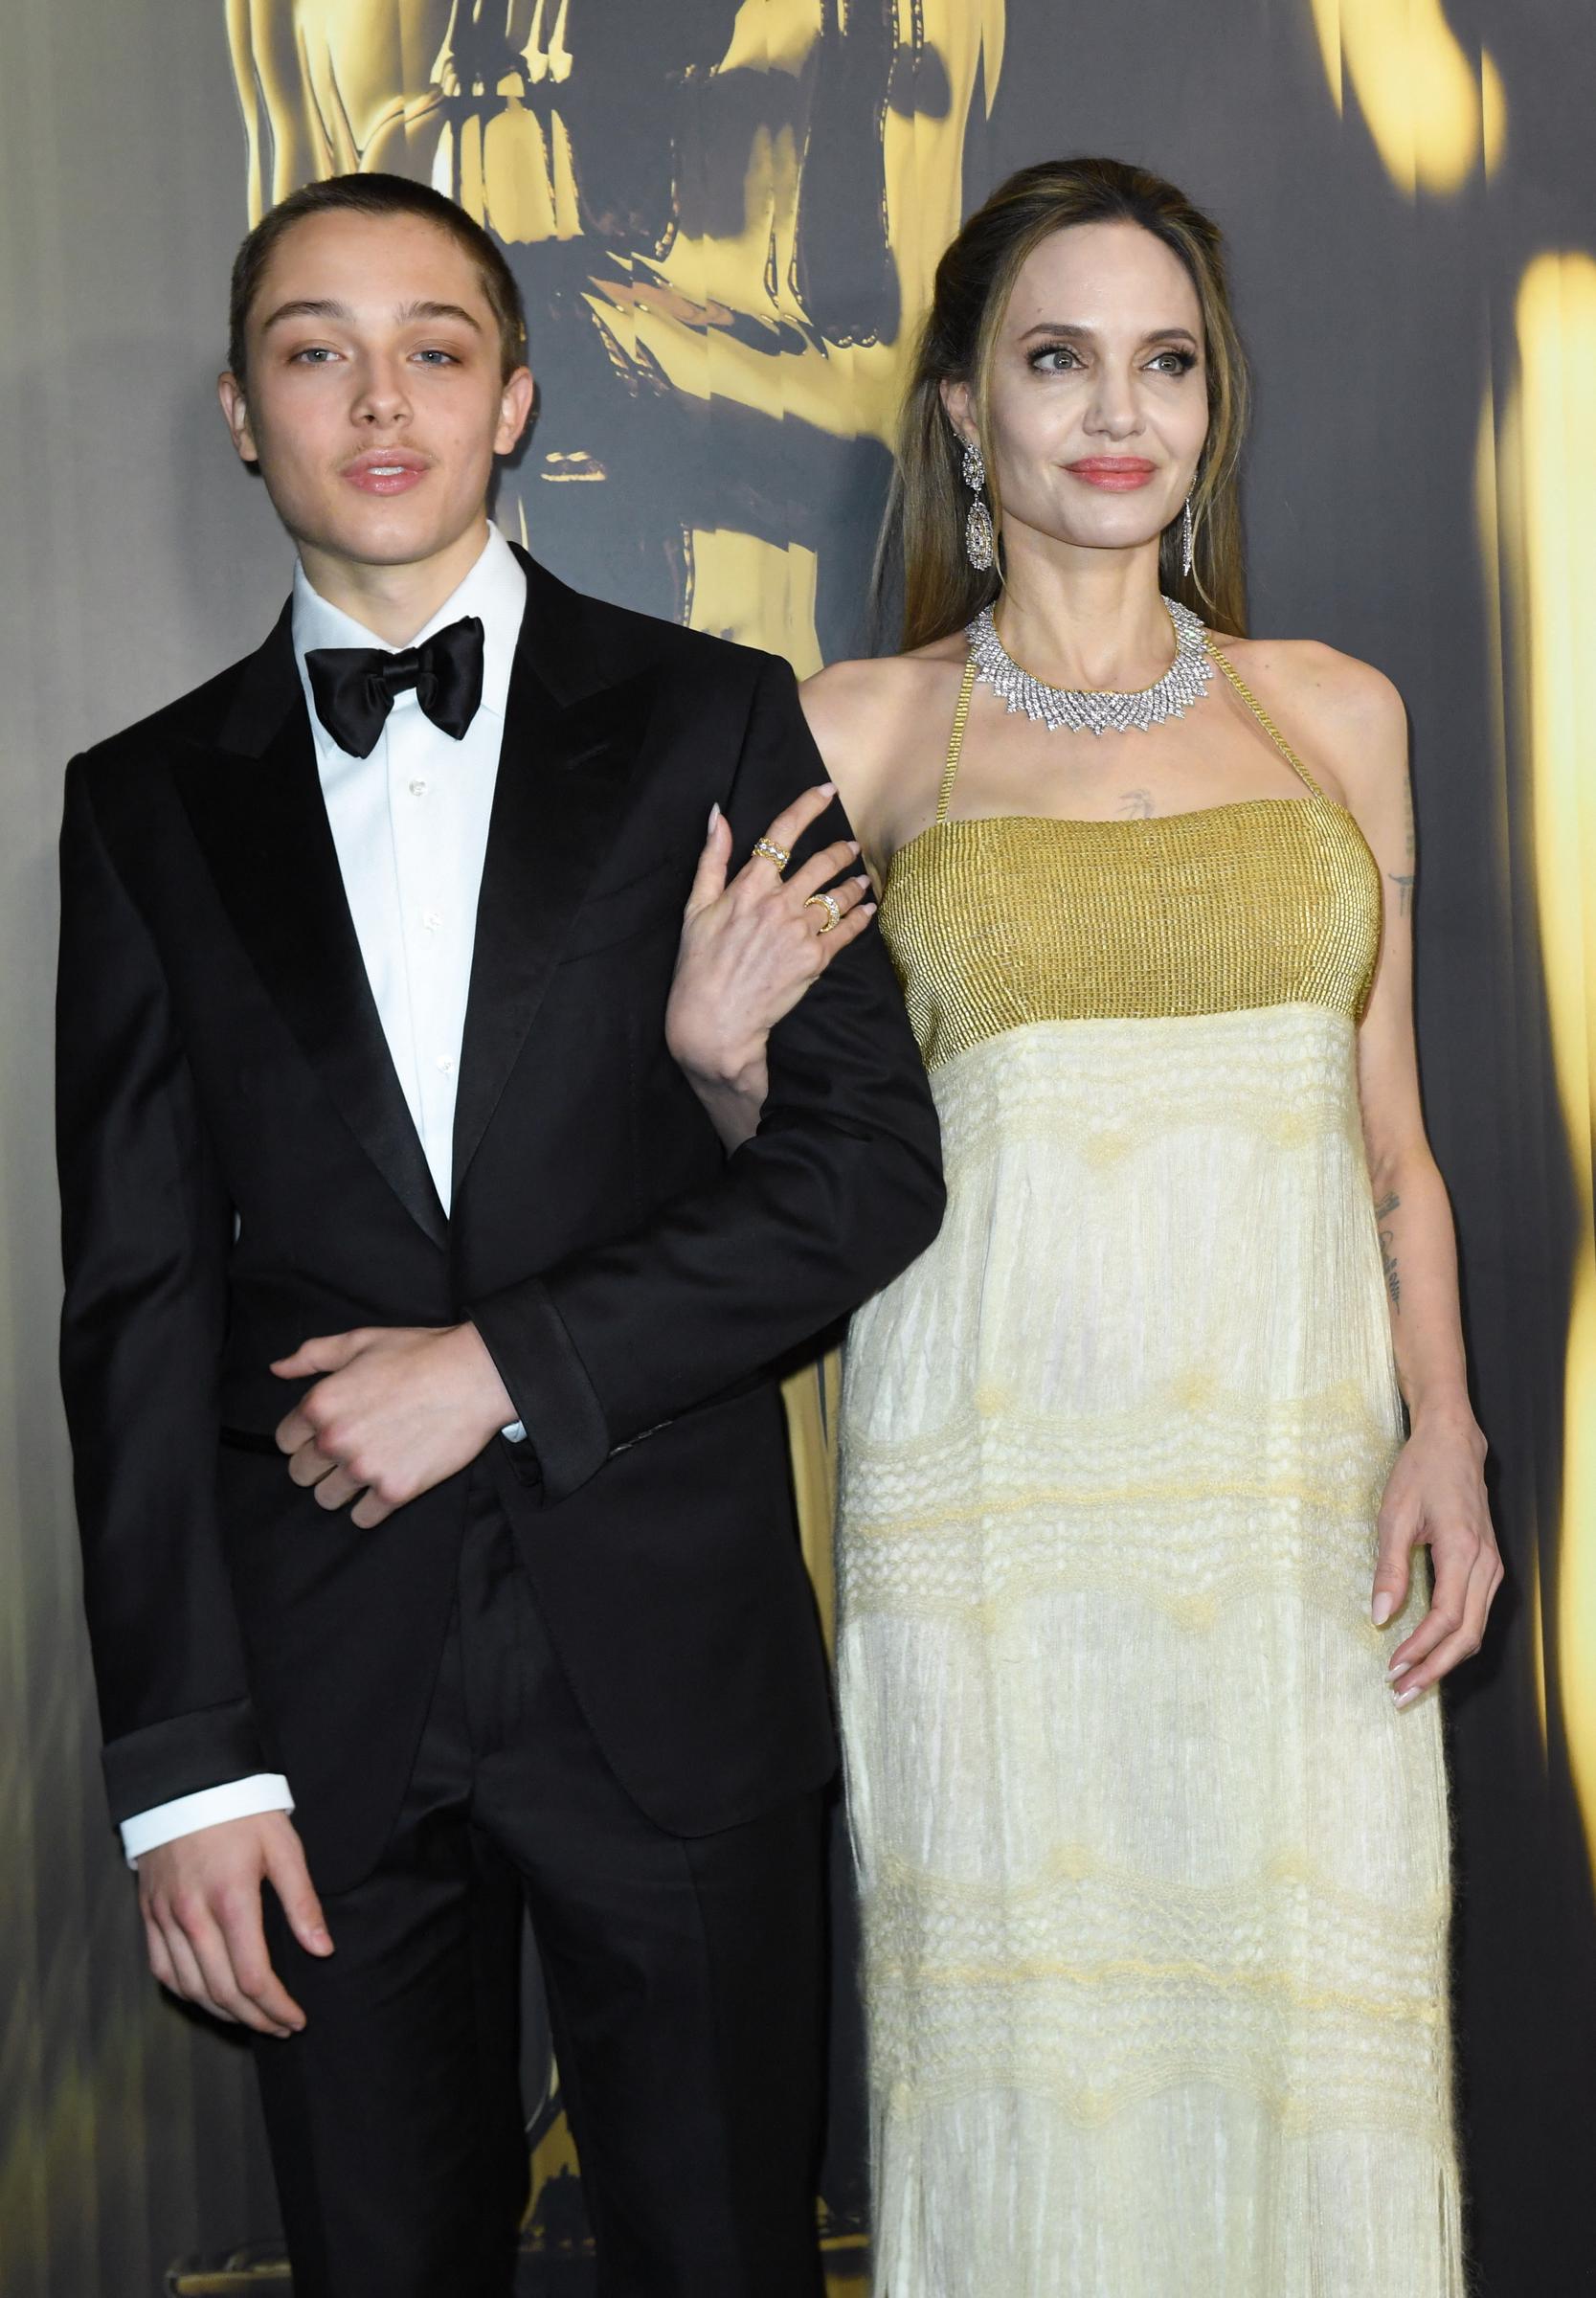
column 1382, row 1211
column 1136, row 806
column 1404, row 880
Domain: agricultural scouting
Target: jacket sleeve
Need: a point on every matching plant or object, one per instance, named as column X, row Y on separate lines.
column 839, row 1190
column 145, row 1224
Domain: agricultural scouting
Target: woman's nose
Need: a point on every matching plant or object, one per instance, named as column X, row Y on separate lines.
column 1115, row 412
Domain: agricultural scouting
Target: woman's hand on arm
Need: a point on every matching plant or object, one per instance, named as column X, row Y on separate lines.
column 751, row 944
column 1435, row 1496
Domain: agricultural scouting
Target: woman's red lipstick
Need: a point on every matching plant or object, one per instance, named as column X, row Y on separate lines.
column 1118, row 474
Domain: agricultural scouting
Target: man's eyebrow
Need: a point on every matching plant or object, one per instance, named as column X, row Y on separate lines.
column 306, row 308
column 428, row 310
column 1064, row 327
column 321, row 306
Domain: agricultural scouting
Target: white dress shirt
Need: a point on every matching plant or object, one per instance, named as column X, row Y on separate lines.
column 410, row 825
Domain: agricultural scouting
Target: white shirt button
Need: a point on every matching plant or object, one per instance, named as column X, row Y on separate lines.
column 419, row 789
column 445, row 1064
column 432, row 919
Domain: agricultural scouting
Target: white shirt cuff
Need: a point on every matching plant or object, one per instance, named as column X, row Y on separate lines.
column 235, row 1799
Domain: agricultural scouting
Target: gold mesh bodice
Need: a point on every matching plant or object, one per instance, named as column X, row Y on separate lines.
column 996, row 922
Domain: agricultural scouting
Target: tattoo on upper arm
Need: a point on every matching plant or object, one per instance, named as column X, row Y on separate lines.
column 1382, row 1211
column 1404, row 884
column 1137, row 805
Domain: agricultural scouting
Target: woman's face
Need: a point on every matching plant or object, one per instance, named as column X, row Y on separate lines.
column 1099, row 399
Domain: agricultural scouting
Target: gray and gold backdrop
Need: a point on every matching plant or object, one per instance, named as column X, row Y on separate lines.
column 725, row 220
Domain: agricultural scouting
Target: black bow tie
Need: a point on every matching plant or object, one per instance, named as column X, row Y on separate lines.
column 354, row 686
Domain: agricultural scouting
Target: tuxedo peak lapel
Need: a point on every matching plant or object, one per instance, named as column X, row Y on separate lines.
column 264, row 693
column 564, row 768
column 258, row 812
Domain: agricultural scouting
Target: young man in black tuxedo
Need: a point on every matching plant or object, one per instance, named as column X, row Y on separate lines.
column 430, row 1473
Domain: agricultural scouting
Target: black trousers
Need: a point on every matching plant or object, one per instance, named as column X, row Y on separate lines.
column 683, row 1979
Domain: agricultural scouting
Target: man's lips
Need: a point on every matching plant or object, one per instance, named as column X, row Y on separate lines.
column 1120, row 474
column 386, row 471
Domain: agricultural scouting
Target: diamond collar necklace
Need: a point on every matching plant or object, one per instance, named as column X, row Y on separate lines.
column 1097, row 712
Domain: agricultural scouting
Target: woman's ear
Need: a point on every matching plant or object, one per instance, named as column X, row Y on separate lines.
column 958, row 402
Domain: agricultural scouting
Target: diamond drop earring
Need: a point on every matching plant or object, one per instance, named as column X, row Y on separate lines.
column 980, row 543
column 1185, row 536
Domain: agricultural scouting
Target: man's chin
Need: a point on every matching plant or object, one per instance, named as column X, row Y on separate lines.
column 394, row 533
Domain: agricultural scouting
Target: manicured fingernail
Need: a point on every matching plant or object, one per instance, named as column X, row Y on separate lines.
column 1406, row 1699
column 322, row 1942
column 826, row 789
column 853, row 846
column 867, row 909
column 714, row 817
column 862, row 879
column 1401, row 1669
column 1382, row 1608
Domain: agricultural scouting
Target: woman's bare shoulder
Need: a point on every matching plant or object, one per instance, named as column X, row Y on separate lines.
column 864, row 715
column 1331, row 705
column 882, row 727
column 1308, row 671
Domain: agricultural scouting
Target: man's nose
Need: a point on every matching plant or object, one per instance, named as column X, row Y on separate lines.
column 383, row 396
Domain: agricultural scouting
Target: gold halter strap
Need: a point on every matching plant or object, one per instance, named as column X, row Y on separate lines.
column 1216, row 654
column 956, row 741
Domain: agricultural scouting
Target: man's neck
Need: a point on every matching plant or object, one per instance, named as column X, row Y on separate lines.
column 393, row 602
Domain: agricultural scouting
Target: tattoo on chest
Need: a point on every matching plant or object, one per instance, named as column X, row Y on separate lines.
column 1136, row 806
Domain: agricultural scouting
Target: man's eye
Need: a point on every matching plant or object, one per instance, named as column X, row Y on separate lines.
column 443, row 358
column 314, row 354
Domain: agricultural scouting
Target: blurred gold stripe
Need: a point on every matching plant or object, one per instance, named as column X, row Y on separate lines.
column 1433, row 116
column 1490, row 458
column 1552, row 439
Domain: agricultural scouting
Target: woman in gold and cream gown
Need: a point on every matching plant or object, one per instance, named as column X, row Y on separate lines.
column 1153, row 1854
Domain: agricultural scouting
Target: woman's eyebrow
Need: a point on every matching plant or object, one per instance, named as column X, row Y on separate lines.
column 1065, row 326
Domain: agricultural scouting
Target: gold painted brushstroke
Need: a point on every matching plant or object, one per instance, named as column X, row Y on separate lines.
column 1432, row 114
column 1497, row 509
column 1551, row 438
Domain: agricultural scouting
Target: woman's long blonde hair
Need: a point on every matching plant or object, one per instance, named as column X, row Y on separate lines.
column 925, row 520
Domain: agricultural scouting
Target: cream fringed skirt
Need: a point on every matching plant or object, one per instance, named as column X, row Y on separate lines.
column 1155, row 1874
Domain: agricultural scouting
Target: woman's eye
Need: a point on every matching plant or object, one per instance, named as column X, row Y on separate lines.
column 1042, row 360
column 1174, row 363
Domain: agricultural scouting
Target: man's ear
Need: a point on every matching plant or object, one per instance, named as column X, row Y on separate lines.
column 959, row 400
column 235, row 411
column 514, row 407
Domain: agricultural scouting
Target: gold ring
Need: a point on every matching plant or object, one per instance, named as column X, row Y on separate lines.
column 826, row 901
column 771, row 853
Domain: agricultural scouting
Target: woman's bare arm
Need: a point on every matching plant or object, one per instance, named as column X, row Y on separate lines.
column 1437, row 1494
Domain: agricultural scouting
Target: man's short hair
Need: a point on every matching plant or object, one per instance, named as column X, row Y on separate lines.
column 377, row 194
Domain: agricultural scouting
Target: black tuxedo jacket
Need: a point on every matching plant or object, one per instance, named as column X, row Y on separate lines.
column 240, row 1171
